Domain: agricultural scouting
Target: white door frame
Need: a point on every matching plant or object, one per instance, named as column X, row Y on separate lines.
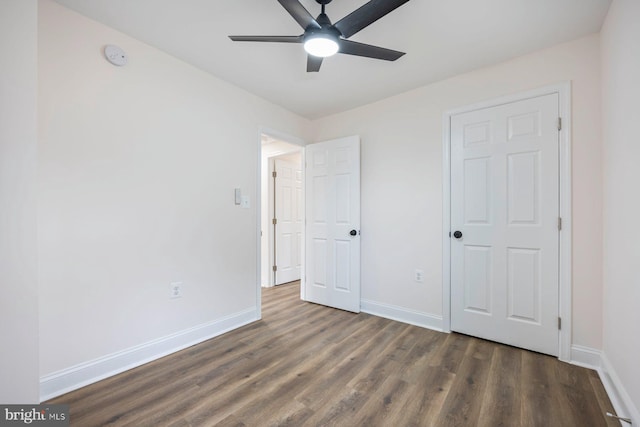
column 258, row 206
column 564, row 281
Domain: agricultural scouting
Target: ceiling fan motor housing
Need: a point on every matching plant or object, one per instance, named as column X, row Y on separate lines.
column 321, row 38
column 326, row 31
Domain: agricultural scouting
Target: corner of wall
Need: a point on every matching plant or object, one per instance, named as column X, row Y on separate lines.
column 18, row 189
column 597, row 360
column 618, row 395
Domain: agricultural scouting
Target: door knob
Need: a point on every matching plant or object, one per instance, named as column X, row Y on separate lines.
column 457, row 234
column 353, row 232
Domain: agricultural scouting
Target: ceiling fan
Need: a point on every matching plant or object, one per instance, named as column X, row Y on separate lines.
column 321, row 38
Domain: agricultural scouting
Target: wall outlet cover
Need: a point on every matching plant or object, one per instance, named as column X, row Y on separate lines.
column 175, row 290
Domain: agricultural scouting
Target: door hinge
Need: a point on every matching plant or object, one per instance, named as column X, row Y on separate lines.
column 559, row 223
column 559, row 123
column 274, row 221
column 274, row 174
column 559, row 323
column 275, row 268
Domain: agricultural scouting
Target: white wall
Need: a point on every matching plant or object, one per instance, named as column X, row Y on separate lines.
column 402, row 179
column 138, row 164
column 136, row 176
column 18, row 244
column 621, row 142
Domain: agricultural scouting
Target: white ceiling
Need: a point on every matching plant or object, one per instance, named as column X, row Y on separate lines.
column 441, row 38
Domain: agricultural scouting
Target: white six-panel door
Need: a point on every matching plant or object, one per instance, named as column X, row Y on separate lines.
column 288, row 214
column 505, row 204
column 332, row 194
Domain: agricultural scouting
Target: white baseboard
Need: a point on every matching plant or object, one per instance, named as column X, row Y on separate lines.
column 597, row 360
column 402, row 314
column 586, row 357
column 619, row 397
column 83, row 374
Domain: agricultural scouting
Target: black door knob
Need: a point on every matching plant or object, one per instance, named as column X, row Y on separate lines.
column 457, row 234
column 353, row 232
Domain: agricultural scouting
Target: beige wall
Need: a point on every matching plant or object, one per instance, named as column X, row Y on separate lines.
column 621, row 141
column 137, row 171
column 18, row 161
column 402, row 178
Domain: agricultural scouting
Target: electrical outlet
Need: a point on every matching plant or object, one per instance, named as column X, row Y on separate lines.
column 419, row 276
column 175, row 290
column 245, row 202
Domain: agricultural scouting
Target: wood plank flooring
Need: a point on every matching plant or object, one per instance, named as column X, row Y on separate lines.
column 309, row 365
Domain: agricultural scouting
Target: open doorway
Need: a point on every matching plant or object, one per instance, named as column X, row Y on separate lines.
column 282, row 211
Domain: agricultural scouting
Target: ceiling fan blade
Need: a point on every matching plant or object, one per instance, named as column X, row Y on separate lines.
column 366, row 15
column 300, row 14
column 275, row 39
column 313, row 63
column 360, row 49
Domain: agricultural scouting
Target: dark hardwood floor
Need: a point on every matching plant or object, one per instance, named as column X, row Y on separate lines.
column 305, row 364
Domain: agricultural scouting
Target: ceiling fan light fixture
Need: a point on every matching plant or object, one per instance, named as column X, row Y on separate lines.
column 321, row 38
column 321, row 46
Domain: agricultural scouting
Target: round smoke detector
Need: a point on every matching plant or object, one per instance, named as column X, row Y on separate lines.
column 115, row 55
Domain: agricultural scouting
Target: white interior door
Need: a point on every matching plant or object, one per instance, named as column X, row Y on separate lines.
column 505, row 205
column 288, row 215
column 332, row 194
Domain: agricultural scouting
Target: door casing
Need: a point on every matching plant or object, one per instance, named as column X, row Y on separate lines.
column 294, row 140
column 565, row 312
